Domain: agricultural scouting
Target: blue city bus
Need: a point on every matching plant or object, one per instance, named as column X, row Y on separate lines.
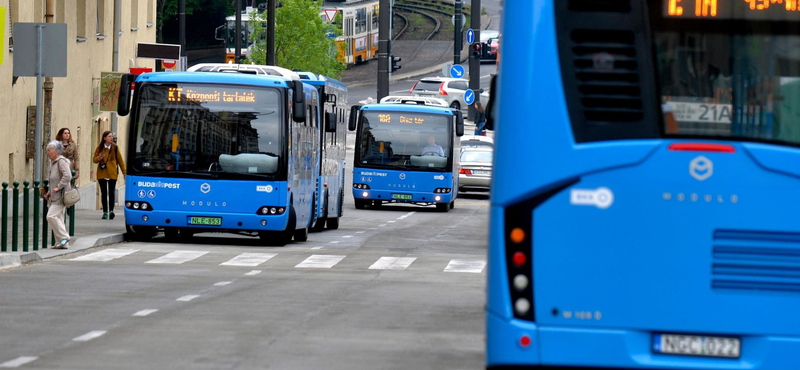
column 220, row 152
column 405, row 153
column 644, row 206
column 329, row 206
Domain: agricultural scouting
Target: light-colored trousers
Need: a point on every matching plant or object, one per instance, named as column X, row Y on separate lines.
column 55, row 218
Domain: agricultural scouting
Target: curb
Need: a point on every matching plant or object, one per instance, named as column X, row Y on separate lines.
column 80, row 245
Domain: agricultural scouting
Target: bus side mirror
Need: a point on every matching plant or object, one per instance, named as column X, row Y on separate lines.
column 330, row 98
column 298, row 101
column 490, row 104
column 124, row 102
column 354, row 111
column 330, row 122
column 217, row 33
column 459, row 123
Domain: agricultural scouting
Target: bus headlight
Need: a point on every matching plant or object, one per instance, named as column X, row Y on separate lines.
column 270, row 210
column 143, row 206
column 522, row 306
column 365, row 194
column 437, row 198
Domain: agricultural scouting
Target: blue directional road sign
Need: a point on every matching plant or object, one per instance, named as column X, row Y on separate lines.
column 469, row 97
column 457, row 71
column 470, row 36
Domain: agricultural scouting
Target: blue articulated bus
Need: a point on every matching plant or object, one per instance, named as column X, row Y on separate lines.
column 330, row 187
column 406, row 153
column 212, row 152
column 644, row 206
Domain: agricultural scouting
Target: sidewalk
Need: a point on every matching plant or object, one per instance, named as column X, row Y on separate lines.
column 90, row 232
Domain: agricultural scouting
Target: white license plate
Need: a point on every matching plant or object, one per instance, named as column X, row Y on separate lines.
column 697, row 345
column 481, row 172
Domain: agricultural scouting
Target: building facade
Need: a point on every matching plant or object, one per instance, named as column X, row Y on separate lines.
column 90, row 51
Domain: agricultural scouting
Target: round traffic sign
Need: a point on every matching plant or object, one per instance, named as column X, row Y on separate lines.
column 169, row 63
column 457, row 71
column 469, row 97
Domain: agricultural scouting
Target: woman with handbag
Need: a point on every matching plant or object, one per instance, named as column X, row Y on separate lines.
column 108, row 158
column 60, row 178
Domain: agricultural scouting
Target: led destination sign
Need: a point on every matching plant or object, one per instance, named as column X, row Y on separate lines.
column 400, row 118
column 214, row 95
column 763, row 10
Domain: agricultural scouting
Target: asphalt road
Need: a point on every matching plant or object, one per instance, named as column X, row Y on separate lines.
column 402, row 287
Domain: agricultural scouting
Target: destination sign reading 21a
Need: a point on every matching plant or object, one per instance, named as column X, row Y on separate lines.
column 770, row 10
column 178, row 94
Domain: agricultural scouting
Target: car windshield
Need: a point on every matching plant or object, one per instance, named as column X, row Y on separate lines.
column 203, row 128
column 424, row 85
column 476, row 144
column 408, row 140
column 476, row 156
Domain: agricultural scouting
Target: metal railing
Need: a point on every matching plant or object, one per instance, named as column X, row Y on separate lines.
column 28, row 222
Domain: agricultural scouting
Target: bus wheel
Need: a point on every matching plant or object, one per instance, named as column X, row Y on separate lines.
column 333, row 222
column 140, row 233
column 171, row 233
column 452, row 204
column 443, row 207
column 281, row 238
column 301, row 235
column 360, row 204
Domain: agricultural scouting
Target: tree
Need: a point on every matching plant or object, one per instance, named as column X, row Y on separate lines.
column 303, row 41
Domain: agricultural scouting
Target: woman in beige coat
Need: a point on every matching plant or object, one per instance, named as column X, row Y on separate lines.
column 60, row 177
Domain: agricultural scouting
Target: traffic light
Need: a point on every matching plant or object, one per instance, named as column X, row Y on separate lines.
column 395, row 60
column 476, row 50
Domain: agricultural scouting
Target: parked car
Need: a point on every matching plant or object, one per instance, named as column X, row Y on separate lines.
column 401, row 99
column 475, row 173
column 450, row 90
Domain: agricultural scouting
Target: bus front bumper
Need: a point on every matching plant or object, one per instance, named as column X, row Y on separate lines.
column 593, row 348
column 229, row 222
column 402, row 196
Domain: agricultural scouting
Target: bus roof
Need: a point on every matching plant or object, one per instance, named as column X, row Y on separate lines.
column 419, row 108
column 319, row 80
column 214, row 77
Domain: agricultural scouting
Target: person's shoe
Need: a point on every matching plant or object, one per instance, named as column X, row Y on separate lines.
column 111, row 215
column 105, row 216
column 61, row 245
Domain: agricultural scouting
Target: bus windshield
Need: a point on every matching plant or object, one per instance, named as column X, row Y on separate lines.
column 733, row 80
column 203, row 128
column 407, row 140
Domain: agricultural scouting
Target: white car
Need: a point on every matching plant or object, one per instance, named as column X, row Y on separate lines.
column 254, row 69
column 450, row 90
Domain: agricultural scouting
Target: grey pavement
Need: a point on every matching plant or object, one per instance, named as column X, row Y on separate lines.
column 90, row 232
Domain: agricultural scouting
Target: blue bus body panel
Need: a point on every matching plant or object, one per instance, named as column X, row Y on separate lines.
column 420, row 185
column 724, row 262
column 177, row 199
column 213, row 77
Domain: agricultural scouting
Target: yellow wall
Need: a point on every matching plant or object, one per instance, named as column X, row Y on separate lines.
column 72, row 95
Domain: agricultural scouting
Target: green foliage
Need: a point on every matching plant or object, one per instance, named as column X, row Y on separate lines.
column 301, row 39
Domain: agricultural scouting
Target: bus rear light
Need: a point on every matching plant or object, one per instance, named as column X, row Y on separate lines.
column 702, row 147
column 361, row 186
column 465, row 171
column 442, row 190
column 520, row 282
column 517, row 235
column 522, row 306
column 270, row 210
column 139, row 206
column 519, row 259
column 525, row 341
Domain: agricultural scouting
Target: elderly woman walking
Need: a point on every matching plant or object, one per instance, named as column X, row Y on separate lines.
column 60, row 177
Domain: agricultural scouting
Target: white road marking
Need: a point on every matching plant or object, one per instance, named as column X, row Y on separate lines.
column 347, row 236
column 318, row 247
column 392, row 263
column 390, row 222
column 89, row 336
column 473, row 266
column 222, row 283
column 381, row 225
column 360, row 232
column 19, row 361
column 187, row 298
column 254, row 272
column 334, row 242
column 177, row 257
column 249, row 259
column 144, row 313
column 320, row 261
column 105, row 255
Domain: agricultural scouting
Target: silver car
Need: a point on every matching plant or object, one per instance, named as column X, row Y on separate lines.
column 450, row 90
column 475, row 173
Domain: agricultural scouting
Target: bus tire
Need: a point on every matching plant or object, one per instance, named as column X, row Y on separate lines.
column 301, row 235
column 333, row 222
column 171, row 233
column 320, row 225
column 443, row 207
column 139, row 233
column 360, row 204
column 452, row 204
column 280, row 238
